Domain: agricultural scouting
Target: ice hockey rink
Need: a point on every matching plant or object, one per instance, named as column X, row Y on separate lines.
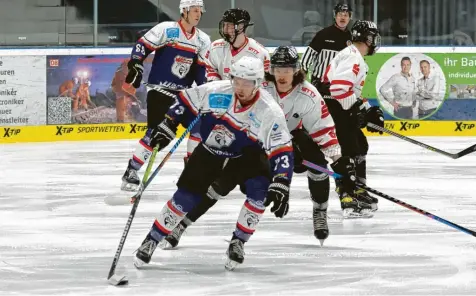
column 58, row 237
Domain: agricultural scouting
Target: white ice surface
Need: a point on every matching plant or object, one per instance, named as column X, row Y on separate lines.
column 58, row 237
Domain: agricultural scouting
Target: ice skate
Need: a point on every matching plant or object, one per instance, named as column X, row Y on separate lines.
column 319, row 217
column 130, row 179
column 235, row 253
column 353, row 208
column 145, row 251
column 172, row 240
column 364, row 196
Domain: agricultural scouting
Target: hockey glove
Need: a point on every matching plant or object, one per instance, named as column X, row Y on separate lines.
column 163, row 134
column 357, row 114
column 134, row 76
column 278, row 193
column 374, row 115
column 345, row 166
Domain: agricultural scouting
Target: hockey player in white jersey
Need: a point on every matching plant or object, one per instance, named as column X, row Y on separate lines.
column 224, row 52
column 236, row 118
column 314, row 138
column 313, row 131
column 345, row 77
column 180, row 53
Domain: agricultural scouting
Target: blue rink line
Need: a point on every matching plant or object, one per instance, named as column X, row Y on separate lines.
column 451, row 109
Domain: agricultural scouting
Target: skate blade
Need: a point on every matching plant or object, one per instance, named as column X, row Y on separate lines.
column 165, row 245
column 230, row 265
column 351, row 214
column 321, row 241
column 129, row 187
column 138, row 263
column 374, row 207
column 118, row 280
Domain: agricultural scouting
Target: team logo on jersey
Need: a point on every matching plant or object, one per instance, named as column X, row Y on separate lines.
column 181, row 66
column 172, row 32
column 220, row 137
column 349, row 43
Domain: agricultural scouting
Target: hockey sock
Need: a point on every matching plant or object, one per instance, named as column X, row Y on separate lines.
column 142, row 152
column 319, row 186
column 248, row 219
column 173, row 212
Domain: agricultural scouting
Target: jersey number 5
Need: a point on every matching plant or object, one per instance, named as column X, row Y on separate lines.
column 283, row 161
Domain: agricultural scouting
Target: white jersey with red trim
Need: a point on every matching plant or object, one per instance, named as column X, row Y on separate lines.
column 346, row 74
column 222, row 56
column 180, row 57
column 226, row 128
column 304, row 106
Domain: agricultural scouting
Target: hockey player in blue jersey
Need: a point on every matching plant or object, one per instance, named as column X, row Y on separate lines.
column 180, row 52
column 238, row 120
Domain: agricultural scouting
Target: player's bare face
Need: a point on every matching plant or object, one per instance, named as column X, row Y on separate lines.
column 425, row 69
column 244, row 89
column 194, row 15
column 342, row 19
column 284, row 78
column 406, row 66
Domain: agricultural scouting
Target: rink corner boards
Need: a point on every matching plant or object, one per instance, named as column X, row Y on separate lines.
column 113, row 131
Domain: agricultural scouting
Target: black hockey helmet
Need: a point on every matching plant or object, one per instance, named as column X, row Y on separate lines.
column 236, row 16
column 285, row 56
column 342, row 7
column 366, row 32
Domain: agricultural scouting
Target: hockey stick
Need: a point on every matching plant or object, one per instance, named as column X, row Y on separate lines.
column 392, row 199
column 462, row 153
column 122, row 280
column 117, row 280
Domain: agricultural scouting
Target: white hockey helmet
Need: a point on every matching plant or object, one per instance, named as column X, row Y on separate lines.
column 189, row 3
column 248, row 68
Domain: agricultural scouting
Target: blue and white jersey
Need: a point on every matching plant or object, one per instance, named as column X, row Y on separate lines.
column 226, row 127
column 179, row 56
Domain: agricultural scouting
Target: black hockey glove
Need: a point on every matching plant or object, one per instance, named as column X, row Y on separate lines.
column 278, row 193
column 374, row 115
column 163, row 134
column 345, row 166
column 357, row 114
column 136, row 68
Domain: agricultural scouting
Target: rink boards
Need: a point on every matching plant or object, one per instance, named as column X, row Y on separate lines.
column 91, row 132
column 32, row 109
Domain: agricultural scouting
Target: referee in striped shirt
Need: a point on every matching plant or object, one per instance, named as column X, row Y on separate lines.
column 326, row 44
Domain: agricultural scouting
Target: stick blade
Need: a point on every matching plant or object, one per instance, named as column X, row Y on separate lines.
column 118, row 280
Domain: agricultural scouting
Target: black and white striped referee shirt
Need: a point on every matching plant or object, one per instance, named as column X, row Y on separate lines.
column 323, row 48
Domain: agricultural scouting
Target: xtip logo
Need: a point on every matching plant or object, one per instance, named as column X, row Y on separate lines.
column 137, row 128
column 405, row 126
column 60, row 130
column 9, row 132
column 460, row 126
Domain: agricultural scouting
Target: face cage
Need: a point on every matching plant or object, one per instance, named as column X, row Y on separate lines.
column 228, row 37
